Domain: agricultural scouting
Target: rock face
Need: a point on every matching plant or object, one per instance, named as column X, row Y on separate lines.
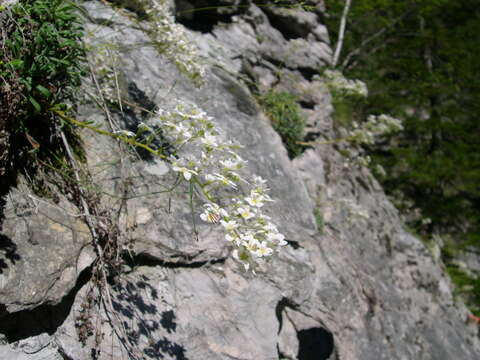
column 355, row 286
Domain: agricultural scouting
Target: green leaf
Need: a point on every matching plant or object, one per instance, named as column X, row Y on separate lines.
column 44, row 91
column 61, row 61
column 35, row 104
column 16, row 64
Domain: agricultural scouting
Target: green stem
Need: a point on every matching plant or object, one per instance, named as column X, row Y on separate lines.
column 192, row 209
column 123, row 138
column 203, row 190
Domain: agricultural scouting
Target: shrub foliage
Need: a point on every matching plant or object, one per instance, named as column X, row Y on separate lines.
column 284, row 113
column 40, row 66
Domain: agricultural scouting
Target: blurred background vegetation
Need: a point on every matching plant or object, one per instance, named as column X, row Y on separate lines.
column 420, row 61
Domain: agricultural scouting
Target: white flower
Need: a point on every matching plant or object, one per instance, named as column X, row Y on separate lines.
column 259, row 180
column 209, row 140
column 183, row 133
column 245, row 212
column 214, row 163
column 250, row 243
column 233, row 238
column 343, row 86
column 263, row 249
column 210, row 177
column 276, row 237
column 270, row 227
column 229, row 163
column 224, row 181
column 375, row 127
column 229, row 225
column 255, row 199
column 171, row 40
column 232, row 163
column 187, row 173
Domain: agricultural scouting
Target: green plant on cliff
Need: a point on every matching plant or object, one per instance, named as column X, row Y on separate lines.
column 284, row 113
column 467, row 286
column 42, row 55
column 40, row 68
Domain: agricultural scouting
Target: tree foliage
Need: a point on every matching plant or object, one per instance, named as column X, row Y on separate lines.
column 419, row 59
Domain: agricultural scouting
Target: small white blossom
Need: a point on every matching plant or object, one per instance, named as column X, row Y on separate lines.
column 209, row 140
column 262, row 249
column 255, row 199
column 187, row 173
column 224, row 181
column 233, row 238
column 210, row 177
column 276, row 237
column 259, row 180
column 249, row 242
column 229, row 225
column 270, row 227
column 375, row 127
column 245, row 212
column 233, row 163
column 171, row 40
column 344, row 87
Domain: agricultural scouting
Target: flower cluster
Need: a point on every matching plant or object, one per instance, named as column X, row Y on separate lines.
column 375, row 127
column 211, row 165
column 202, row 157
column 170, row 40
column 343, row 87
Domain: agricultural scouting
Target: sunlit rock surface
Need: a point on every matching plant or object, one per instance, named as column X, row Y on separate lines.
column 355, row 286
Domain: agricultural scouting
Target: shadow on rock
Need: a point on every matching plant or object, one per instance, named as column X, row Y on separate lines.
column 8, row 252
column 148, row 329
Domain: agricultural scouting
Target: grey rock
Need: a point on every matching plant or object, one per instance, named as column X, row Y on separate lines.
column 321, row 33
column 311, row 93
column 39, row 347
column 298, row 54
column 292, row 22
column 360, row 288
column 46, row 249
column 208, row 316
